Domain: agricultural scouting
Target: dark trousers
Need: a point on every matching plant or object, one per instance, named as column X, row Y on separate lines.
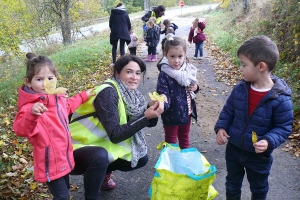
column 91, row 162
column 256, row 166
column 151, row 50
column 114, row 49
column 124, row 165
column 59, row 188
column 132, row 50
column 180, row 132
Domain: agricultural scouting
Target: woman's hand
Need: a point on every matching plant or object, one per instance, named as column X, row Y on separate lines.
column 151, row 102
column 154, row 110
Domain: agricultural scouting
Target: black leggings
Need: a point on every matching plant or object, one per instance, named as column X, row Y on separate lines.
column 92, row 162
column 114, row 49
column 124, row 165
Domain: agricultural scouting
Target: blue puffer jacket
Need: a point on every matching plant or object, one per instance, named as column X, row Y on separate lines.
column 176, row 110
column 272, row 119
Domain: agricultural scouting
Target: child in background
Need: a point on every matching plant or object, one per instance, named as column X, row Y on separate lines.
column 152, row 42
column 178, row 81
column 260, row 104
column 169, row 33
column 157, row 34
column 156, row 27
column 134, row 42
column 43, row 119
column 168, row 24
column 198, row 37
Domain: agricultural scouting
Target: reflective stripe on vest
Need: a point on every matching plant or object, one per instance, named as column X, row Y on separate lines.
column 90, row 132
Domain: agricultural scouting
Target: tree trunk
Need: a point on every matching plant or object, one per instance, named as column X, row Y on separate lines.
column 61, row 8
column 246, row 4
column 65, row 23
column 232, row 4
column 146, row 5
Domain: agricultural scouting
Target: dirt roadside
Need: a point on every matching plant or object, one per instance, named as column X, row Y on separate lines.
column 285, row 174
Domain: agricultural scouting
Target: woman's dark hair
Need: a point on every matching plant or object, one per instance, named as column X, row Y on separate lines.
column 35, row 63
column 159, row 10
column 124, row 60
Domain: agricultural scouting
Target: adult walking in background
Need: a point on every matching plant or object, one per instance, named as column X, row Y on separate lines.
column 119, row 24
column 109, row 127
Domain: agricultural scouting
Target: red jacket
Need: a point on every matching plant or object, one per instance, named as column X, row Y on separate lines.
column 197, row 37
column 49, row 134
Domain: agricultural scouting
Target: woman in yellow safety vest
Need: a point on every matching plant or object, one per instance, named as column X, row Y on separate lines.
column 157, row 12
column 107, row 130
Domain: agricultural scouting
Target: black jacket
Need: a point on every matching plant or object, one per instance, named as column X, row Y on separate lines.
column 119, row 24
column 152, row 37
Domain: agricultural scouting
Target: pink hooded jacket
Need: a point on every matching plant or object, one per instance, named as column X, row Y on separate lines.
column 49, row 134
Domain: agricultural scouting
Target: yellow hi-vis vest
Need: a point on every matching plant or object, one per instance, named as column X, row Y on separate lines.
column 158, row 19
column 88, row 131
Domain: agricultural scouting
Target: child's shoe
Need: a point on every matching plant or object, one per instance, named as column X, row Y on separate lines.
column 148, row 59
column 108, row 183
column 195, row 58
column 201, row 57
column 154, row 58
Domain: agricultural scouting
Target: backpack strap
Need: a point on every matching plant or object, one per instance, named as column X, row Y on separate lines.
column 93, row 114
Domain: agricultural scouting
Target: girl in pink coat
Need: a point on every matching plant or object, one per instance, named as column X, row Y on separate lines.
column 43, row 119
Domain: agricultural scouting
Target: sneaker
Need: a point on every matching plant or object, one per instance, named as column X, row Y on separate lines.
column 201, row 57
column 108, row 183
column 195, row 58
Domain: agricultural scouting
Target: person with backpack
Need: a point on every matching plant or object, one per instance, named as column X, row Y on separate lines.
column 198, row 37
column 156, row 12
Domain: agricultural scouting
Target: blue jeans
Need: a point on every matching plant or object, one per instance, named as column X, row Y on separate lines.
column 257, row 167
column 59, row 188
column 198, row 47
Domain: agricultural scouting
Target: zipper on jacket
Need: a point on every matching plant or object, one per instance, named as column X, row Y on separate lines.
column 65, row 125
column 47, row 162
column 246, row 114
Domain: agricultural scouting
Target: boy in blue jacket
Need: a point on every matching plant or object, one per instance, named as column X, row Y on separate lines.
column 259, row 105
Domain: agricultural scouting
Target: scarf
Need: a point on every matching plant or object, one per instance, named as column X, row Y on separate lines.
column 185, row 76
column 135, row 106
